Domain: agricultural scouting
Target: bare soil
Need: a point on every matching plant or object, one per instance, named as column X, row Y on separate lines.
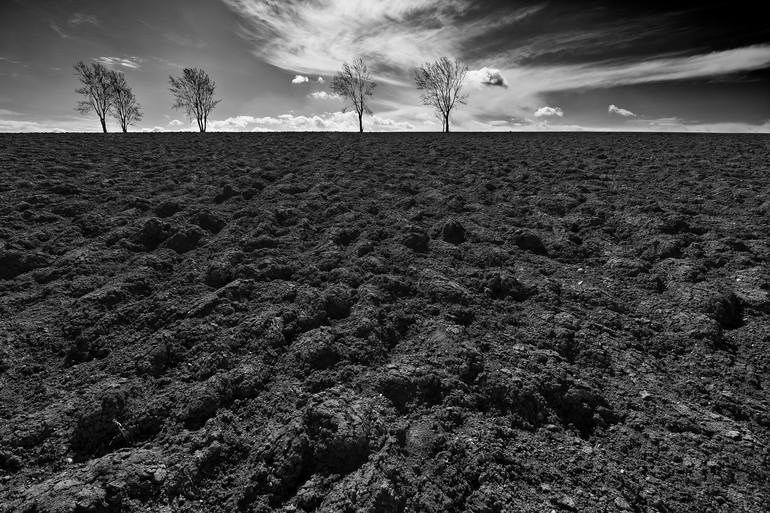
column 384, row 323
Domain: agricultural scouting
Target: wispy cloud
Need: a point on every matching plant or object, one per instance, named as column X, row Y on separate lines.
column 79, row 19
column 601, row 75
column 614, row 109
column 315, row 37
column 132, row 63
column 27, row 126
column 53, row 26
column 549, row 112
column 299, row 79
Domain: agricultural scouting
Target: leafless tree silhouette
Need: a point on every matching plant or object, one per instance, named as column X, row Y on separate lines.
column 97, row 90
column 194, row 92
column 441, row 83
column 125, row 108
column 354, row 82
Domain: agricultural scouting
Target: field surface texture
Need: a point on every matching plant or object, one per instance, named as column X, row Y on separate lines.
column 384, row 323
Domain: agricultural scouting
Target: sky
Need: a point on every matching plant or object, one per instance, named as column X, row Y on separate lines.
column 533, row 65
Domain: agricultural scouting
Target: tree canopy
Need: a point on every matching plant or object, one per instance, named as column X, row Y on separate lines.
column 354, row 82
column 194, row 93
column 441, row 83
column 97, row 90
column 125, row 108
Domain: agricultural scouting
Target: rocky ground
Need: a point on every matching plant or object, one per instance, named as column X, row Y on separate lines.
column 384, row 323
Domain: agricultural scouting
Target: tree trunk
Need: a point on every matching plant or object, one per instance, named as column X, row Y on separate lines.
column 360, row 122
column 446, row 123
column 125, row 128
column 104, row 125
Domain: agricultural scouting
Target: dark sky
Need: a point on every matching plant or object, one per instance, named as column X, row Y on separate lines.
column 569, row 65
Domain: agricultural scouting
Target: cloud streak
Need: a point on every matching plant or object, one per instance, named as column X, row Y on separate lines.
column 78, row 19
column 614, row 109
column 315, row 37
column 118, row 61
column 602, row 75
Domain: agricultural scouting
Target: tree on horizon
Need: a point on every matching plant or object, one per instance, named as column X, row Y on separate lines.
column 194, row 92
column 441, row 83
column 97, row 90
column 125, row 108
column 354, row 82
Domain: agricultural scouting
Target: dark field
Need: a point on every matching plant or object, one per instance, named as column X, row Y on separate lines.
column 384, row 323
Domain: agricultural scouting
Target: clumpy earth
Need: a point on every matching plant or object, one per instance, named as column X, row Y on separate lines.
column 384, row 323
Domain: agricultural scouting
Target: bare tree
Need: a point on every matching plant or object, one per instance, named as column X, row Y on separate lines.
column 441, row 83
column 355, row 83
column 125, row 108
column 97, row 90
column 194, row 92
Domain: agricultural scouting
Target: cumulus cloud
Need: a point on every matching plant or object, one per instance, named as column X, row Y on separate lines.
column 549, row 112
column 329, row 121
column 118, row 61
column 323, row 95
column 79, row 19
column 175, row 122
column 614, row 109
column 487, row 76
column 299, row 79
column 320, row 80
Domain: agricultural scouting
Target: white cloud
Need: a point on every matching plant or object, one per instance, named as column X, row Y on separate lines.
column 299, row 79
column 315, row 37
column 175, row 122
column 79, row 19
column 132, row 63
column 323, row 95
column 540, row 79
column 320, row 80
column 614, row 109
column 71, row 124
column 329, row 121
column 549, row 112
column 11, row 125
column 487, row 76
column 53, row 26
